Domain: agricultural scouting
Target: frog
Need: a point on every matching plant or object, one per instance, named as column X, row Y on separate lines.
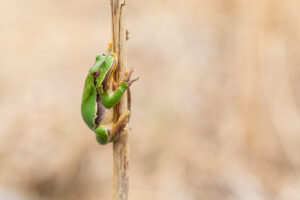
column 100, row 94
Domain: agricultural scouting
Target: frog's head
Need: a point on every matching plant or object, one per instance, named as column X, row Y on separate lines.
column 102, row 70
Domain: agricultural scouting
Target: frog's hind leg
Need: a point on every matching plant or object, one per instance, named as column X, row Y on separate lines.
column 102, row 135
column 120, row 125
column 105, row 135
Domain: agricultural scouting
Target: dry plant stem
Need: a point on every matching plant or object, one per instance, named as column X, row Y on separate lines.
column 120, row 147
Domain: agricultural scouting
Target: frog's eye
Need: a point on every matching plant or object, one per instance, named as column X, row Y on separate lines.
column 96, row 74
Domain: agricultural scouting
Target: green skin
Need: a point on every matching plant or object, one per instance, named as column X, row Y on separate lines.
column 96, row 98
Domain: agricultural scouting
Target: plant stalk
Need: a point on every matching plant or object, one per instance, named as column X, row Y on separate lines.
column 120, row 146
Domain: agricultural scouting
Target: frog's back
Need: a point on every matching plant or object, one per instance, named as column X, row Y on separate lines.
column 88, row 104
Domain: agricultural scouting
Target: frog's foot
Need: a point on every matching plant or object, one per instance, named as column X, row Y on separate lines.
column 120, row 125
column 127, row 77
column 133, row 80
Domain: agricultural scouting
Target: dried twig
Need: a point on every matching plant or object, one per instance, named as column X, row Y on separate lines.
column 120, row 147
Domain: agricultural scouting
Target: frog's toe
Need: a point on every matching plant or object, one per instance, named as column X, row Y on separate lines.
column 133, row 80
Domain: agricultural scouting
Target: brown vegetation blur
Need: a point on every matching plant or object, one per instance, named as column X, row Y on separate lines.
column 215, row 114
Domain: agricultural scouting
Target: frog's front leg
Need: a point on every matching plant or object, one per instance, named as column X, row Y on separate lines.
column 111, row 100
column 105, row 135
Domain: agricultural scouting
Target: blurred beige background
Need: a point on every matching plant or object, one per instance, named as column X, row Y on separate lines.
column 215, row 112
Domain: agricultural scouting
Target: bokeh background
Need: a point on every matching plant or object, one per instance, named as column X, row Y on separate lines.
column 215, row 114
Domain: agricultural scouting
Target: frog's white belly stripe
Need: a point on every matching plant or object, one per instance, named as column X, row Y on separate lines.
column 108, row 117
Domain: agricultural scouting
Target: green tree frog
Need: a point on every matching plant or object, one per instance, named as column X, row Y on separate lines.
column 100, row 94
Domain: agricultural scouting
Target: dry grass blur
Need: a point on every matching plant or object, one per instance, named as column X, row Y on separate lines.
column 215, row 112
